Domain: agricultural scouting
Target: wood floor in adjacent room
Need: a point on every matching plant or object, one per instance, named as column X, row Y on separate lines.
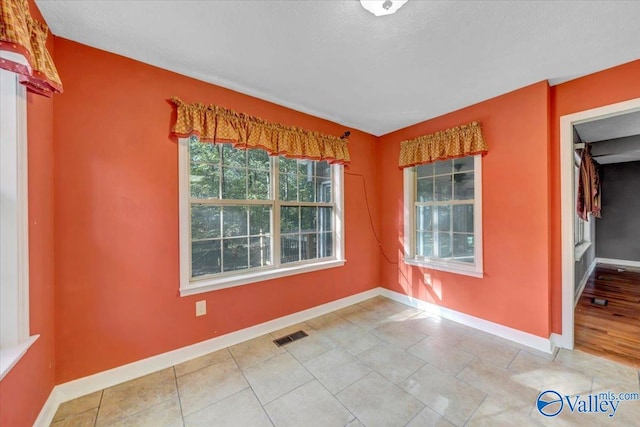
column 611, row 331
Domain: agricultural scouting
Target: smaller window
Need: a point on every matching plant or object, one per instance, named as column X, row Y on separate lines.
column 443, row 215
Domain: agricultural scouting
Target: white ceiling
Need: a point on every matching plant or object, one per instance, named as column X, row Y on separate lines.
column 617, row 138
column 335, row 60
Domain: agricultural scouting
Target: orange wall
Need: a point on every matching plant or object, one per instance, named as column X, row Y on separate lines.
column 515, row 289
column 606, row 87
column 116, row 189
column 26, row 387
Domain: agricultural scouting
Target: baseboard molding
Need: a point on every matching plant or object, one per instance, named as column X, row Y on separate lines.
column 622, row 262
column 583, row 281
column 520, row 337
column 82, row 386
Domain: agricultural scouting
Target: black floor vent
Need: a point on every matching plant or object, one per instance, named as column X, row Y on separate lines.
column 599, row 301
column 290, row 338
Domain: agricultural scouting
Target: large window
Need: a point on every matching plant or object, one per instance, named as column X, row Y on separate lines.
column 247, row 216
column 443, row 215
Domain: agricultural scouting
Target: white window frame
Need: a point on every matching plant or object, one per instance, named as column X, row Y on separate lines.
column 189, row 286
column 14, row 224
column 451, row 266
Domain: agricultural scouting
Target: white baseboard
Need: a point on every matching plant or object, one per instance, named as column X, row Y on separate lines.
column 92, row 383
column 623, row 262
column 584, row 281
column 82, row 386
column 520, row 337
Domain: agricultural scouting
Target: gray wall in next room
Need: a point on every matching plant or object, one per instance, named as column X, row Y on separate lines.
column 618, row 231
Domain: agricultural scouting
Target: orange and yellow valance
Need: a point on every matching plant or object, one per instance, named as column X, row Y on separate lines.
column 23, row 48
column 459, row 141
column 214, row 124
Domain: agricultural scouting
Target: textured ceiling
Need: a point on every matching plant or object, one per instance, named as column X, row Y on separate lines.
column 335, row 60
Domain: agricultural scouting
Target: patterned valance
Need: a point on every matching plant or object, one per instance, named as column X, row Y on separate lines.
column 211, row 123
column 459, row 141
column 23, row 48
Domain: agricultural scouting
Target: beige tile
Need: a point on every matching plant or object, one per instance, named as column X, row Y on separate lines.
column 391, row 362
column 309, row 405
column 209, row 385
column 355, row 423
column 495, row 412
column 365, row 319
column 240, row 409
column 376, row 401
column 254, row 351
column 326, row 322
column 83, row 419
column 593, row 365
column 276, row 376
column 79, row 405
column 352, row 338
column 201, row 362
column 429, row 418
column 488, row 349
column 447, row 395
column 446, row 357
column 398, row 334
column 439, row 329
column 336, row 369
column 303, row 326
column 166, row 414
column 309, row 347
column 385, row 306
column 349, row 310
column 137, row 395
column 498, row 382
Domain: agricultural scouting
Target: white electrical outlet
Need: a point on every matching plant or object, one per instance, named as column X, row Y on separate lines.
column 201, row 308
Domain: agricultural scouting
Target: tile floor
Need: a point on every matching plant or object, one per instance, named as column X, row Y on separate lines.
column 377, row 363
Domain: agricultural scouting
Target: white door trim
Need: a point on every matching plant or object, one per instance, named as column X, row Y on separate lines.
column 567, row 215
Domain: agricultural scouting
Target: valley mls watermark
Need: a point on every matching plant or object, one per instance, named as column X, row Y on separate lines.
column 551, row 403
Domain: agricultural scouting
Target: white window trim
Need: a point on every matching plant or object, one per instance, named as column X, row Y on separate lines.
column 474, row 270
column 14, row 246
column 582, row 247
column 192, row 287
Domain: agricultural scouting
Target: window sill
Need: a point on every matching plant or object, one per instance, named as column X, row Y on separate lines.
column 581, row 249
column 449, row 268
column 199, row 287
column 9, row 356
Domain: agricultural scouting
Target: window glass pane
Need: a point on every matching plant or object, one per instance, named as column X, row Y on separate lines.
column 205, row 222
column 234, row 183
column 463, row 186
column 287, row 165
column 289, row 248
column 233, row 156
column 306, row 187
column 305, row 168
column 258, row 159
column 443, row 216
column 235, row 254
column 425, row 190
column 205, row 258
column 424, row 170
column 234, row 221
column 443, row 166
column 424, row 244
column 424, row 218
column 258, row 187
column 308, row 221
column 325, row 219
column 444, row 245
column 204, row 152
column 442, row 188
column 259, row 251
column 464, row 164
column 308, row 246
column 463, row 218
column 323, row 189
column 289, row 220
column 463, row 247
column 205, row 180
column 288, row 187
column 323, row 169
column 325, row 245
column 259, row 220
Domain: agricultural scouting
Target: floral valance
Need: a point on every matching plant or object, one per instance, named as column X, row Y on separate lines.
column 459, row 141
column 211, row 123
column 23, row 48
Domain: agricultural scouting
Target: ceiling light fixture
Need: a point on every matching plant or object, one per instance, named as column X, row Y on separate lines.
column 382, row 7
